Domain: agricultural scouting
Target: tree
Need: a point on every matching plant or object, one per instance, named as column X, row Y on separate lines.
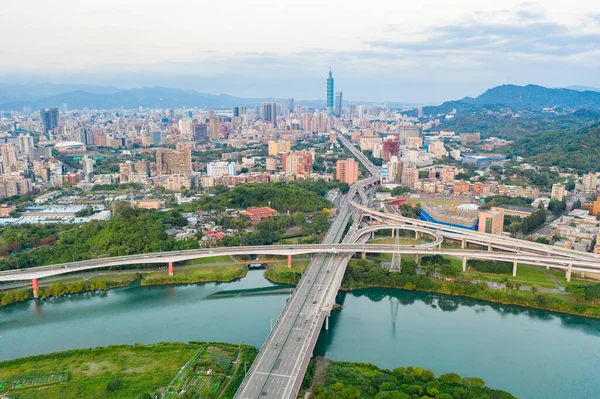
column 114, row 385
column 576, row 205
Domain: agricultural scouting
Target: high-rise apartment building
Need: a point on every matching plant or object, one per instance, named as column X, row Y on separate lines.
column 25, row 143
column 297, row 163
column 88, row 165
column 14, row 185
column 240, row 111
column 410, row 177
column 269, row 113
column 330, row 85
column 346, row 170
column 277, row 147
column 221, row 168
column 395, row 168
column 390, row 147
column 306, row 122
column 49, row 118
column 558, row 192
column 214, row 126
column 338, row 104
column 186, row 127
column 173, row 161
column 8, row 153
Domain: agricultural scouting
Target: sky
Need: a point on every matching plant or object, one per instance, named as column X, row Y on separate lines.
column 425, row 51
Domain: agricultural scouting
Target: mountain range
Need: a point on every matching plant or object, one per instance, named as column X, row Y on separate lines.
column 16, row 97
column 531, row 97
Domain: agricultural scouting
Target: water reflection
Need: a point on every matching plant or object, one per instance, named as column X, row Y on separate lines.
column 449, row 303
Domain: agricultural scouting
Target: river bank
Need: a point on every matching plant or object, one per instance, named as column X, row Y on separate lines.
column 369, row 274
column 211, row 370
column 104, row 282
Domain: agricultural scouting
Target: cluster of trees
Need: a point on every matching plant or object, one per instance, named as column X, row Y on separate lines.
column 499, row 200
column 303, row 196
column 558, row 207
column 489, row 266
column 364, row 380
column 15, row 238
column 129, row 231
column 569, row 148
column 585, row 292
column 8, row 297
column 271, row 230
column 533, row 221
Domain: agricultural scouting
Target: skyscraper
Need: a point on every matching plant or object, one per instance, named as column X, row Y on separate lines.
column 346, row 171
column 330, row 94
column 49, row 118
column 338, row 104
column 214, row 125
column 269, row 113
column 290, row 106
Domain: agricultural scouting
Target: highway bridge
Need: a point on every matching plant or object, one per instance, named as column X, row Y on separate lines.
column 281, row 363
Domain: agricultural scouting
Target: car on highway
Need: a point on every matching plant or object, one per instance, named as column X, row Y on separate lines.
column 298, row 339
column 275, row 345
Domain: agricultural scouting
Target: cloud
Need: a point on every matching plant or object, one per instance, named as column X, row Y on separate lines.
column 533, row 39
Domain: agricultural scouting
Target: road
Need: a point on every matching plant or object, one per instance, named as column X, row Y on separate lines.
column 280, row 365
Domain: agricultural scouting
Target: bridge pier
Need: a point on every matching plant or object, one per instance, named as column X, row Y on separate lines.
column 417, row 258
column 416, row 235
column 170, row 269
column 515, row 268
column 364, row 255
column 393, row 230
column 463, row 243
column 490, row 249
column 289, row 260
column 36, row 288
column 326, row 323
column 569, row 273
column 464, row 264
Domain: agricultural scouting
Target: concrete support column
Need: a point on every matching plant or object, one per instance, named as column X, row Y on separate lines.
column 515, row 268
column 170, row 269
column 326, row 323
column 372, row 235
column 364, row 255
column 393, row 230
column 547, row 267
column 416, row 235
column 440, row 245
column 36, row 288
column 289, row 260
column 490, row 249
column 464, row 264
column 569, row 273
column 463, row 243
column 416, row 258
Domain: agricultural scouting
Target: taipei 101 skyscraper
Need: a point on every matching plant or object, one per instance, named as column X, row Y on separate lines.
column 330, row 94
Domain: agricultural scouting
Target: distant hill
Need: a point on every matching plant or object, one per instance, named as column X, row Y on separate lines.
column 575, row 148
column 523, row 97
column 583, row 88
column 17, row 97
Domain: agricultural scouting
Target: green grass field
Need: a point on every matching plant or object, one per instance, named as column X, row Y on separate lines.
column 196, row 275
column 212, row 259
column 526, row 275
column 142, row 371
column 297, row 266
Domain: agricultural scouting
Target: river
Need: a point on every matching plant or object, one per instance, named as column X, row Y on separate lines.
column 530, row 353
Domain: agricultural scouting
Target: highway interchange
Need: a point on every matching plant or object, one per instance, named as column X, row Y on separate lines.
column 280, row 366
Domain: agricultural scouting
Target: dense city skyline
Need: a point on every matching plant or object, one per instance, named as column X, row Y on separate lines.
column 397, row 55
